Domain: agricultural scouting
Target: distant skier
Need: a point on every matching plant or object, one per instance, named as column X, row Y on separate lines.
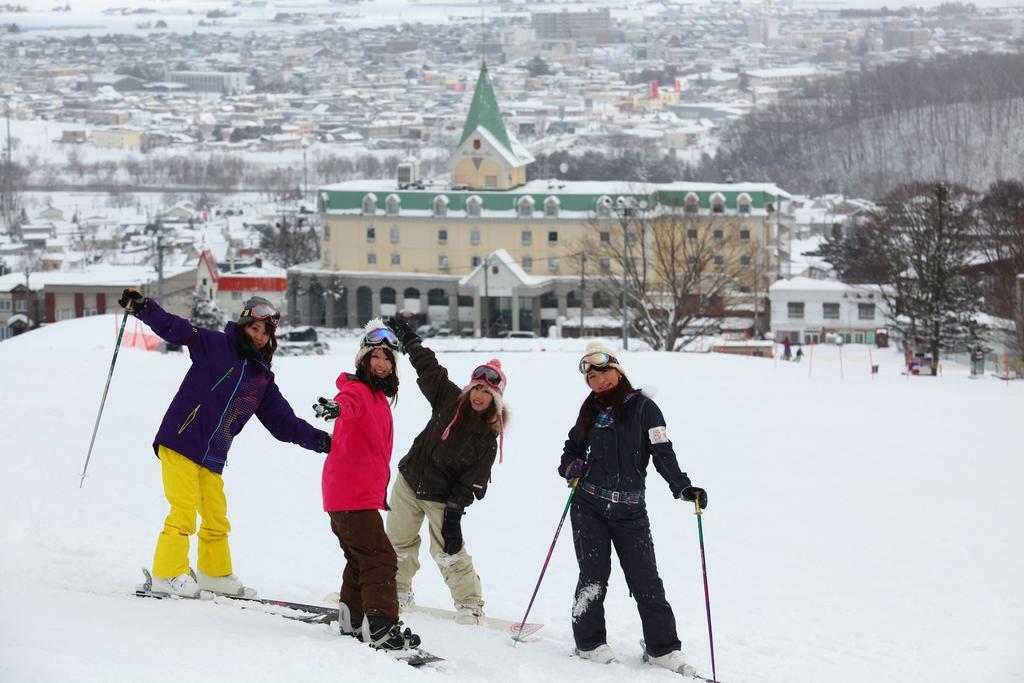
column 799, row 354
column 618, row 431
column 355, row 483
column 787, row 350
column 230, row 380
column 447, row 468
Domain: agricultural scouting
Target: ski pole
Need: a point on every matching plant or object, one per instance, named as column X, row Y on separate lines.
column 117, row 346
column 547, row 559
column 707, row 600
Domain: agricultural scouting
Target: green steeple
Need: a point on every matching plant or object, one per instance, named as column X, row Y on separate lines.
column 484, row 112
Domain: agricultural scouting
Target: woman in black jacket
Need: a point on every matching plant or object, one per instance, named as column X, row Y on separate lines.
column 447, row 468
column 618, row 431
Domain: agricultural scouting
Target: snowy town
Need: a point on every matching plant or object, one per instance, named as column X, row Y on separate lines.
column 781, row 242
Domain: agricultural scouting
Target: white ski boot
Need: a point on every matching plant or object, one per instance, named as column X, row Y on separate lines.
column 406, row 601
column 469, row 615
column 602, row 654
column 229, row 585
column 345, row 622
column 673, row 661
column 184, row 586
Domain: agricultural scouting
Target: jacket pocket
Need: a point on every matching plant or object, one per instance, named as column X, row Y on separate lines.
column 190, row 418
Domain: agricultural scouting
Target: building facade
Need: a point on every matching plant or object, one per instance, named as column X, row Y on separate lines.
column 810, row 311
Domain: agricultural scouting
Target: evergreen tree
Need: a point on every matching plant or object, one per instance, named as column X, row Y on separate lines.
column 204, row 313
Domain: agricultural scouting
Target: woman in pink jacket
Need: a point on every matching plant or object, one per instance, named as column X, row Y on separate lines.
column 355, row 481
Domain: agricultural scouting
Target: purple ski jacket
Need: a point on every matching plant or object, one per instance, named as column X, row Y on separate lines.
column 219, row 394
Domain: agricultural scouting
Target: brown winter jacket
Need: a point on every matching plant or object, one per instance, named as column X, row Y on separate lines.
column 455, row 470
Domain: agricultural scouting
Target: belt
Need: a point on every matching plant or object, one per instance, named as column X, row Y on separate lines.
column 627, row 497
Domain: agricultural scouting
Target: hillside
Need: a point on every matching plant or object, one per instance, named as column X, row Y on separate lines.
column 859, row 530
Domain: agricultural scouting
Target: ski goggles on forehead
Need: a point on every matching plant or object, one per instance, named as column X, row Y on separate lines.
column 596, row 361
column 263, row 312
column 487, row 374
column 381, row 337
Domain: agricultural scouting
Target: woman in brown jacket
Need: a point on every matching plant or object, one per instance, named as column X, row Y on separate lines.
column 446, row 469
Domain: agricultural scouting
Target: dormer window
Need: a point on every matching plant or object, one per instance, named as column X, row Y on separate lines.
column 525, row 207
column 743, row 203
column 393, row 204
column 440, row 205
column 551, row 207
column 604, row 207
column 370, row 204
column 476, row 143
column 718, row 203
column 692, row 203
column 473, row 206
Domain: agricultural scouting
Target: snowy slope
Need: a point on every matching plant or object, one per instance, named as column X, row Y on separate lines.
column 858, row 530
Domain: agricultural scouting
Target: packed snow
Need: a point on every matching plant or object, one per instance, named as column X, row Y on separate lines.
column 860, row 528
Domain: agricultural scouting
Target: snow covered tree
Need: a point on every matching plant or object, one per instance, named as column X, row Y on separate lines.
column 204, row 313
column 924, row 238
column 1000, row 233
column 288, row 244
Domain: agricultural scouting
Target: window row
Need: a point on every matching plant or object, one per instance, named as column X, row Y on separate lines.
column 829, row 311
column 395, row 236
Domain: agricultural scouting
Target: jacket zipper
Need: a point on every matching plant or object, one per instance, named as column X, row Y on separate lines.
column 191, row 416
column 226, row 375
column 226, row 406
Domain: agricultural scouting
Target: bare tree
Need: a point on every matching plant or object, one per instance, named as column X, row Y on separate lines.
column 683, row 272
column 1000, row 232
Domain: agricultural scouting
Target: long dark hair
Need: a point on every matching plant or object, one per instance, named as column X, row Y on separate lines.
column 247, row 348
column 388, row 385
column 592, row 406
column 465, row 415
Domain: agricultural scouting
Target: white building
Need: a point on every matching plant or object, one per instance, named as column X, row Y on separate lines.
column 808, row 311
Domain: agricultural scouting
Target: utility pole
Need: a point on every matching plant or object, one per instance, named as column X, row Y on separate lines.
column 583, row 290
column 625, row 212
column 487, row 300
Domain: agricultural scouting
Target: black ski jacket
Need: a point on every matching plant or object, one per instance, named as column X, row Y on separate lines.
column 619, row 453
column 455, row 470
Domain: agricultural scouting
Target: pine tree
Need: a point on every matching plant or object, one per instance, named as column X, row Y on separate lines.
column 204, row 313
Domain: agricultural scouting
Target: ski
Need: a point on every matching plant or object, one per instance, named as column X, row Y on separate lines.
column 688, row 671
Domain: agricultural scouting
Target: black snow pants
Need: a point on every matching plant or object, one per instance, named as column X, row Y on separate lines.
column 596, row 526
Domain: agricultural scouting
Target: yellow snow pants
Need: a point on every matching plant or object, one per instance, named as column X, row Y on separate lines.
column 190, row 488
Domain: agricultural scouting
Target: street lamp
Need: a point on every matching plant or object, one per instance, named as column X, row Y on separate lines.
column 624, row 210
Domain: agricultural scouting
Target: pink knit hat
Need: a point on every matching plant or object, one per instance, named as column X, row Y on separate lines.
column 491, row 377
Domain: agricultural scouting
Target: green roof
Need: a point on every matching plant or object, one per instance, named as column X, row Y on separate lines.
column 484, row 112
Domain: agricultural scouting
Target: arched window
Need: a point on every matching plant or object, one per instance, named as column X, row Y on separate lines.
column 718, row 203
column 572, row 299
column 525, row 207
column 364, row 305
column 548, row 300
column 392, row 204
column 473, row 206
column 743, row 203
column 370, row 204
column 692, row 203
column 437, row 297
column 412, row 293
column 388, row 295
column 601, row 300
column 604, row 207
column 440, row 205
column 551, row 207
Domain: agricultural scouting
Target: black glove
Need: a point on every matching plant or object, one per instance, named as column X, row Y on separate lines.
column 132, row 301
column 403, row 330
column 326, row 409
column 451, row 530
column 691, row 493
column 323, row 443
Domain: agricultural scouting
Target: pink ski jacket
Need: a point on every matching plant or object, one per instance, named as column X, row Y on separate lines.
column 358, row 468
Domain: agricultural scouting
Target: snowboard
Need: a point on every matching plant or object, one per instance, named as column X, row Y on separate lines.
column 492, row 623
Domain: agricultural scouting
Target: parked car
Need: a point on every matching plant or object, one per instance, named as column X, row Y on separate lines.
column 518, row 334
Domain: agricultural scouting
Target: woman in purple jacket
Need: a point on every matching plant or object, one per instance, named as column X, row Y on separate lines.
column 230, row 381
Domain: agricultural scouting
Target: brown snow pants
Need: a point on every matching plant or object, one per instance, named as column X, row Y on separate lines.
column 368, row 582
